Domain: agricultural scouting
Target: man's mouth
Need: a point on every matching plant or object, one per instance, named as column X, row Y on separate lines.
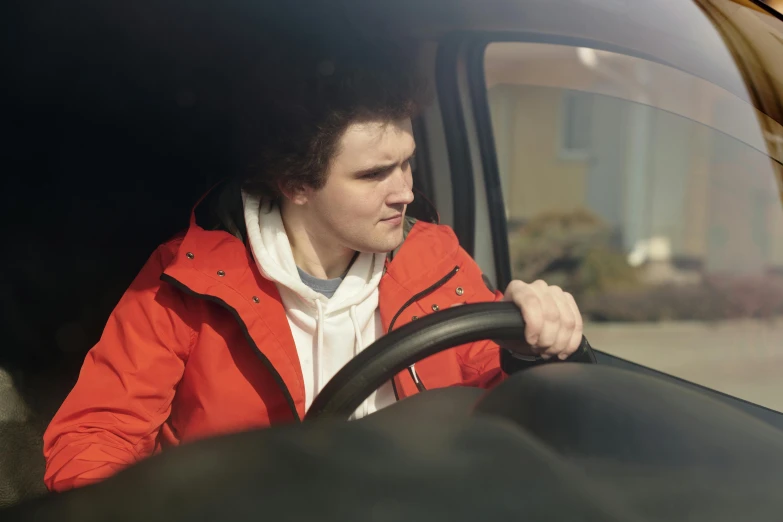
column 393, row 219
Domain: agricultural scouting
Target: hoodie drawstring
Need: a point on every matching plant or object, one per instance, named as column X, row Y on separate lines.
column 358, row 347
column 319, row 347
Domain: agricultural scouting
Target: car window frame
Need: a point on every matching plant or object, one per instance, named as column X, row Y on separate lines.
column 468, row 49
column 471, row 48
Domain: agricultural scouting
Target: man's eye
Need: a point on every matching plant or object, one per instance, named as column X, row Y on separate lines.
column 373, row 175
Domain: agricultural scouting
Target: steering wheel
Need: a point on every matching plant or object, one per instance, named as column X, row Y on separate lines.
column 397, row 350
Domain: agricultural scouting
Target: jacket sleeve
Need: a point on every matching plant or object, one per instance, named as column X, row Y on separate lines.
column 123, row 395
column 480, row 361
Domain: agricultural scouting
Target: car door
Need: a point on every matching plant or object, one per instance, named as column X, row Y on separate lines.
column 633, row 158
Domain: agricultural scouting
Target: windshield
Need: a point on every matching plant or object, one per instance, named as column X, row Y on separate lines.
column 629, row 151
column 653, row 194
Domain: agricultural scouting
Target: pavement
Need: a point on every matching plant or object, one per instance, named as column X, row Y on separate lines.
column 743, row 358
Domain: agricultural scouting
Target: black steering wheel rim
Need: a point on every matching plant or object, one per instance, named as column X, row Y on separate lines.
column 397, row 350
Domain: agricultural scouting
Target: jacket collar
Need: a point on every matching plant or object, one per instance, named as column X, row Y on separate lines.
column 221, row 209
column 217, row 227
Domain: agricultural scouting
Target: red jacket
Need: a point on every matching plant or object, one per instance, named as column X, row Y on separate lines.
column 200, row 345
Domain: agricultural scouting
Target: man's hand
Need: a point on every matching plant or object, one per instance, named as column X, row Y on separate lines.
column 553, row 324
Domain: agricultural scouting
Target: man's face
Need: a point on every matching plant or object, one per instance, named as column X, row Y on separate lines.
column 368, row 188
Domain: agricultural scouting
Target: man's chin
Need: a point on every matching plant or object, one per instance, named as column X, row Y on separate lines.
column 382, row 248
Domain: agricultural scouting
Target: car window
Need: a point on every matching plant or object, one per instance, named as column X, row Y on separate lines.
column 654, row 197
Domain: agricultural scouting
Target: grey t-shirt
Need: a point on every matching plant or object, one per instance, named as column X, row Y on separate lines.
column 326, row 287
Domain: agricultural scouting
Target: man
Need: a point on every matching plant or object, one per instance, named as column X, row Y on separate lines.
column 240, row 322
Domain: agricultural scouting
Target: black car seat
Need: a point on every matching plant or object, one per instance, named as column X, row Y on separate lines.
column 21, row 457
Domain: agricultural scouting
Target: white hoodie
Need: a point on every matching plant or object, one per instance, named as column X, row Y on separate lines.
column 327, row 332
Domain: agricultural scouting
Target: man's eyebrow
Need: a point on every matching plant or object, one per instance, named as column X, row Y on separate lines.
column 375, row 169
column 383, row 167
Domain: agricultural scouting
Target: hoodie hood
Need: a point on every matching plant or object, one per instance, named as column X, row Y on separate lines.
column 272, row 251
column 327, row 332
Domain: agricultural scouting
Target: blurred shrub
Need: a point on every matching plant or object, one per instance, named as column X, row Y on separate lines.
column 574, row 250
column 658, row 303
column 717, row 298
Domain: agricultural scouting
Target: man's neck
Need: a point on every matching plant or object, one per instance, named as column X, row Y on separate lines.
column 311, row 253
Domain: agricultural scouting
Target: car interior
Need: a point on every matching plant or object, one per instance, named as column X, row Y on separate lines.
column 629, row 151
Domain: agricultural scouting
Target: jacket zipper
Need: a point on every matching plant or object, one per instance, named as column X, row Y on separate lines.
column 269, row 366
column 424, row 293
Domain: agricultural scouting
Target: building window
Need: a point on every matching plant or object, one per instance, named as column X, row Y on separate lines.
column 575, row 125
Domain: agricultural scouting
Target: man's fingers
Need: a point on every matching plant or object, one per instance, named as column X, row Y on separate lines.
column 553, row 324
column 551, row 312
column 566, row 325
column 527, row 300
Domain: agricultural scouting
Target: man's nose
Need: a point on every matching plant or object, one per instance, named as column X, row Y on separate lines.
column 402, row 193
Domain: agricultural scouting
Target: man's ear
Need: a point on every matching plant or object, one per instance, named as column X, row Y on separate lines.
column 298, row 195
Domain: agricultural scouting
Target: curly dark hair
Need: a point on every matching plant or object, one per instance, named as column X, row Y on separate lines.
column 305, row 99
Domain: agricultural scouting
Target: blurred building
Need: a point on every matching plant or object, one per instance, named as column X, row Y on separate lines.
column 681, row 169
